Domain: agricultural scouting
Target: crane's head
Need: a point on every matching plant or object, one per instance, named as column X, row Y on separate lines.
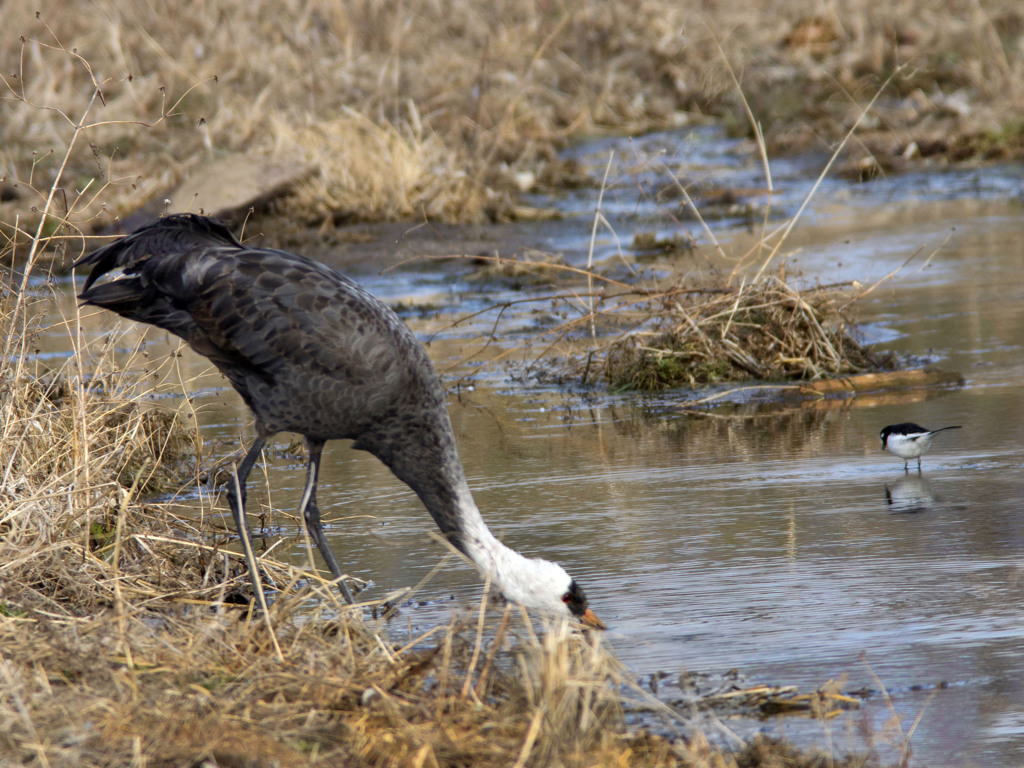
column 545, row 587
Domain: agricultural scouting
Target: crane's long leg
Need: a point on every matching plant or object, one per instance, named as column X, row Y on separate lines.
column 311, row 514
column 236, row 500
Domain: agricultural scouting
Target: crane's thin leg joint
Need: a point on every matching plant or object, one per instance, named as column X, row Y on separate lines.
column 310, row 513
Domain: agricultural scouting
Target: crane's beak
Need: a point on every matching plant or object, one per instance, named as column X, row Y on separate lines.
column 589, row 619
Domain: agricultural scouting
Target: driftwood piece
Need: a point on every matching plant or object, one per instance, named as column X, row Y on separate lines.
column 868, row 388
column 886, row 380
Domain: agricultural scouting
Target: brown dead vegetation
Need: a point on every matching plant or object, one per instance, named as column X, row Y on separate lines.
column 767, row 331
column 448, row 110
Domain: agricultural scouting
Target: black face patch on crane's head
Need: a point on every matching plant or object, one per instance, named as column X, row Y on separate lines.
column 575, row 599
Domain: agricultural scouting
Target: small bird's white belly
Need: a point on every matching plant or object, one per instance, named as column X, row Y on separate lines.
column 908, row 448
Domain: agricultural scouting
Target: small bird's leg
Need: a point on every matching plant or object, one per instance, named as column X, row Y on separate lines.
column 311, row 514
column 236, row 500
column 919, row 465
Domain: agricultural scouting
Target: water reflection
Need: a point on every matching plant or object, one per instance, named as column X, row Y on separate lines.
column 909, row 495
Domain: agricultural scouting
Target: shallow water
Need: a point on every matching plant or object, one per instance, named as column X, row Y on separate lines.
column 779, row 542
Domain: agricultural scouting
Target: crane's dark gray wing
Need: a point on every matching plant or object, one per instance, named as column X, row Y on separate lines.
column 294, row 320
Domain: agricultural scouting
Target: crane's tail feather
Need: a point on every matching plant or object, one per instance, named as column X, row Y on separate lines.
column 119, row 296
column 171, row 235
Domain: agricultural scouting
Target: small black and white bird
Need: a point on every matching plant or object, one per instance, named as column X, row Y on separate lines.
column 909, row 441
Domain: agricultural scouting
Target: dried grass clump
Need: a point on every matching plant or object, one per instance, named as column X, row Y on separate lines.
column 56, row 435
column 74, row 464
column 370, row 171
column 204, row 687
column 548, row 700
column 768, row 331
column 430, row 108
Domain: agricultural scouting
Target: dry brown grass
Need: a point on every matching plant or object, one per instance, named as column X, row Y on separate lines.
column 174, row 682
column 652, row 338
column 435, row 109
column 54, row 431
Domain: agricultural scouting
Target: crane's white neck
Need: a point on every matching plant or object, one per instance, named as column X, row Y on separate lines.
column 532, row 582
column 430, row 465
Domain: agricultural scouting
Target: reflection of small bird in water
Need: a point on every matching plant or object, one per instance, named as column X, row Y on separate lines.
column 312, row 352
column 909, row 441
column 909, row 494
